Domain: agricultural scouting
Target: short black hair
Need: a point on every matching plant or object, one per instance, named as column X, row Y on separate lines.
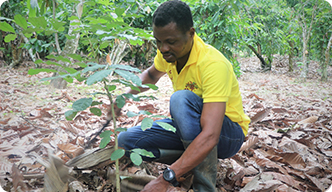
column 173, row 11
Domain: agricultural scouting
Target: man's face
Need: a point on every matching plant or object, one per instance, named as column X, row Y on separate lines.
column 173, row 43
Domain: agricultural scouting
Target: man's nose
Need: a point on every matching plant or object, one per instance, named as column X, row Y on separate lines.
column 164, row 47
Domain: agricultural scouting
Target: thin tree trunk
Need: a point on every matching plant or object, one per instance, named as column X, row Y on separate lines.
column 327, row 60
column 70, row 48
column 264, row 65
column 56, row 34
column 291, row 56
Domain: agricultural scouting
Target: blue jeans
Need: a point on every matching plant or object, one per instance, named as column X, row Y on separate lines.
column 186, row 108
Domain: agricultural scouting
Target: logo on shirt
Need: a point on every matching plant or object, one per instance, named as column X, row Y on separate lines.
column 191, row 86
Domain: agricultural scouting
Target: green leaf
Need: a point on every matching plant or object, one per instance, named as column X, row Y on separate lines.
column 93, row 67
column 131, row 114
column 143, row 152
column 98, row 76
column 120, row 129
column 20, row 20
column 48, row 62
column 95, row 111
column 75, row 56
column 70, row 115
column 144, row 112
column 96, row 103
column 166, row 126
column 146, row 123
column 82, row 104
column 4, row 26
column 36, row 71
column 10, row 37
column 58, row 58
column 129, row 76
column 151, row 86
column 119, row 11
column 117, row 154
column 38, row 22
column 120, row 101
column 106, row 138
column 136, row 159
column 111, row 87
column 127, row 68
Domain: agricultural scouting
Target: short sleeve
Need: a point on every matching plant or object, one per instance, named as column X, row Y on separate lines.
column 159, row 62
column 216, row 82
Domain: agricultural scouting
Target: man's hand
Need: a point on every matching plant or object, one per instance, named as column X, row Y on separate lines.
column 117, row 112
column 157, row 185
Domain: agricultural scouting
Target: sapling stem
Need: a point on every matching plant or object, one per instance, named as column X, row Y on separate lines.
column 116, row 147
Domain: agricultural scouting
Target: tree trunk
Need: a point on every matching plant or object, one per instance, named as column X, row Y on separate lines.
column 291, row 56
column 70, row 48
column 327, row 60
column 264, row 65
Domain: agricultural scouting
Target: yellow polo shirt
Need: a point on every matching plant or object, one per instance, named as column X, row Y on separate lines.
column 210, row 75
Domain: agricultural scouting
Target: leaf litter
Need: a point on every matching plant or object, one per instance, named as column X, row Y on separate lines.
column 288, row 147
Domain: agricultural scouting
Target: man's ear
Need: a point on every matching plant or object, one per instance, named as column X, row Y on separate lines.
column 192, row 32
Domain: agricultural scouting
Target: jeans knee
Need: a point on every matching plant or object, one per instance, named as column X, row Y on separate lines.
column 122, row 139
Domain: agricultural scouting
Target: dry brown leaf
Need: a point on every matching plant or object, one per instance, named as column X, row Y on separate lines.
column 17, row 177
column 70, row 149
column 289, row 180
column 254, row 95
column 5, row 121
column 294, row 159
column 279, row 110
column 260, row 116
column 251, row 141
column 311, row 119
column 270, row 165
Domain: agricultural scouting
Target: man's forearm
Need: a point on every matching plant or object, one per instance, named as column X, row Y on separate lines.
column 197, row 151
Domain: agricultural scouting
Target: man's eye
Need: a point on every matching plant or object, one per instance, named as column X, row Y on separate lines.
column 171, row 42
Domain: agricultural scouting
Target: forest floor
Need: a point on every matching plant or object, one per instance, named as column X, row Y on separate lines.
column 288, row 147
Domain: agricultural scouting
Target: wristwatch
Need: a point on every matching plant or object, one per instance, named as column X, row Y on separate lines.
column 169, row 176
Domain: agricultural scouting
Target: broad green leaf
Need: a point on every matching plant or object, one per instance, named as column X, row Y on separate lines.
column 36, row 71
column 95, row 111
column 136, row 159
column 38, row 22
column 129, row 76
column 96, row 103
column 58, row 58
column 10, row 37
column 98, row 76
column 75, row 56
column 143, row 152
column 82, row 104
column 4, row 26
column 126, row 67
column 70, row 70
column 120, row 129
column 106, row 138
column 131, row 114
column 127, row 84
column 104, row 44
column 70, row 115
column 93, row 67
column 144, row 112
column 111, row 87
column 166, row 126
column 146, row 124
column 20, row 20
column 81, row 64
column 48, row 62
column 120, row 101
column 117, row 154
column 39, row 61
column 151, row 86
column 119, row 11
